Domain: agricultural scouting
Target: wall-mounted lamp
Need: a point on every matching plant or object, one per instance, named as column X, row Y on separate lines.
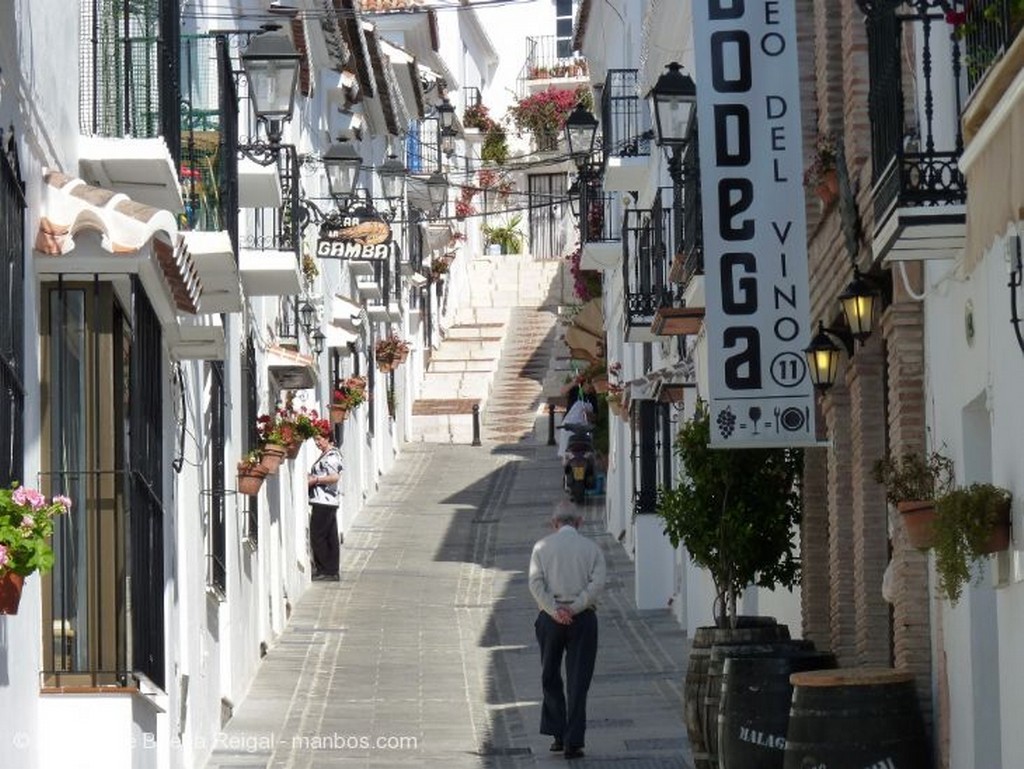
column 446, row 116
column 858, row 302
column 392, row 174
column 307, row 314
column 580, row 133
column 823, row 355
column 271, row 66
column 342, row 163
column 319, row 337
column 437, row 190
column 574, row 197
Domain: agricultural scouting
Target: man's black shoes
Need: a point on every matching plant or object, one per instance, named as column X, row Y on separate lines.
column 573, row 753
column 324, row 577
column 556, row 746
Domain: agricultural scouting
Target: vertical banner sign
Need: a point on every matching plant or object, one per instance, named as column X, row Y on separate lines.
column 755, row 231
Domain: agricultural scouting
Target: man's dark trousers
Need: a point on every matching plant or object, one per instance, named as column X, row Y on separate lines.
column 578, row 643
column 323, row 539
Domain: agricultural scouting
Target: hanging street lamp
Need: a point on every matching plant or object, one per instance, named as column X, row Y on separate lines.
column 271, row 66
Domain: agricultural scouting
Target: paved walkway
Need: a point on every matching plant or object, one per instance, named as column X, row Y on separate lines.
column 423, row 655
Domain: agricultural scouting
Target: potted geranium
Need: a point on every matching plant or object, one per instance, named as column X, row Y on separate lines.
column 821, row 175
column 544, row 114
column 276, row 435
column 390, row 351
column 26, row 525
column 912, row 483
column 348, row 394
column 251, row 472
column 970, row 523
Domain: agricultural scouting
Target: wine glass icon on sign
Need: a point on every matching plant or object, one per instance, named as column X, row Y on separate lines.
column 754, row 412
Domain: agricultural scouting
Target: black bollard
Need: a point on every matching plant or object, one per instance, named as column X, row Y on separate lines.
column 551, row 424
column 476, row 424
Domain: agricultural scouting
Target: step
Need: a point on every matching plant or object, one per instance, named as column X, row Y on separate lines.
column 454, row 365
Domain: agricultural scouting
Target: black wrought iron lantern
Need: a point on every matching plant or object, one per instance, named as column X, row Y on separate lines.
column 307, row 314
column 858, row 302
column 392, row 178
column 437, row 190
column 580, row 133
column 446, row 117
column 342, row 163
column 318, row 341
column 271, row 66
column 574, row 193
column 672, row 100
column 822, row 356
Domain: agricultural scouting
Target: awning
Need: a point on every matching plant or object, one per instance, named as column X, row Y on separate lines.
column 993, row 161
column 134, row 239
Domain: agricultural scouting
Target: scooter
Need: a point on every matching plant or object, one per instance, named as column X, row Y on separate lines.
column 580, row 462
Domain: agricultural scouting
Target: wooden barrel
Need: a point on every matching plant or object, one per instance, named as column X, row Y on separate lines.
column 753, row 711
column 752, row 630
column 851, row 719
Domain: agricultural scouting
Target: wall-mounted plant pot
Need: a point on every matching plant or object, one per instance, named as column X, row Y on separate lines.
column 338, row 413
column 250, row 480
column 293, row 449
column 273, row 456
column 10, row 592
column 999, row 540
column 828, row 188
column 919, row 522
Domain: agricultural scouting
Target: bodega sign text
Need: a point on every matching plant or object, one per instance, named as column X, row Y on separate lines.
column 755, row 249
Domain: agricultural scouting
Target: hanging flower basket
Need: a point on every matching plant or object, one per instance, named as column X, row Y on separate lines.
column 10, row 592
column 828, row 187
column 273, row 456
column 250, row 475
column 338, row 413
column 293, row 449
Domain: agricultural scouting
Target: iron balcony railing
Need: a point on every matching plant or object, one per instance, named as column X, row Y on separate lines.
column 604, row 219
column 915, row 146
column 129, row 69
column 645, row 263
column 548, row 59
column 692, row 232
column 986, row 29
column 625, row 121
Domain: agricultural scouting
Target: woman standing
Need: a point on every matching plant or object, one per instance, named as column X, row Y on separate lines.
column 324, row 499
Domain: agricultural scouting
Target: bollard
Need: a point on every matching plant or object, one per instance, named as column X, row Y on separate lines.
column 551, row 424
column 476, row 424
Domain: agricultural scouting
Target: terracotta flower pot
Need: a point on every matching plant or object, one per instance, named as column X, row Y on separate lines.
column 828, row 188
column 250, row 479
column 338, row 413
column 293, row 448
column 10, row 592
column 999, row 539
column 600, row 384
column 273, row 456
column 919, row 522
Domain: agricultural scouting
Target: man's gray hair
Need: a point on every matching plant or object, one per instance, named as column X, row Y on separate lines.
column 565, row 513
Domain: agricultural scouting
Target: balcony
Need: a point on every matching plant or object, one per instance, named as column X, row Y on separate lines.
column 129, row 100
column 688, row 261
column 987, row 31
column 646, row 234
column 549, row 65
column 626, row 128
column 918, row 190
column 602, row 242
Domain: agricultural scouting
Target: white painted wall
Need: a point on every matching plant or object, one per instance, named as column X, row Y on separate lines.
column 974, row 416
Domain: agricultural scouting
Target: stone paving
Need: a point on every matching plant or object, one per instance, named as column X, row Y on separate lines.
column 424, row 655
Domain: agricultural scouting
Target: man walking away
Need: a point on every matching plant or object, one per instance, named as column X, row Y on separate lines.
column 567, row 573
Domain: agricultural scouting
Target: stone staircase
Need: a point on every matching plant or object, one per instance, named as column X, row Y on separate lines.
column 486, row 356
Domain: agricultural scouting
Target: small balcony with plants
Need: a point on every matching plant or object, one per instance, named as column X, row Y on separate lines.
column 542, row 115
column 688, row 261
column 675, row 316
column 626, row 128
column 918, row 75
column 646, row 234
column 549, row 64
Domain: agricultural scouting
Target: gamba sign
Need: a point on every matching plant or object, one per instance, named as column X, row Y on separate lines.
column 360, row 235
column 755, row 247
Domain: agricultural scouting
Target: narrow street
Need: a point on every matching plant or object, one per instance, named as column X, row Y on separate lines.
column 424, row 654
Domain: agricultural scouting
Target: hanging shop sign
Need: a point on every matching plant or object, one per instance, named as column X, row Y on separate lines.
column 751, row 166
column 361, row 235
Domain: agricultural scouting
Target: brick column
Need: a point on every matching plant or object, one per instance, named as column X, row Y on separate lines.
column 815, row 584
column 842, row 615
column 865, row 377
column 903, row 328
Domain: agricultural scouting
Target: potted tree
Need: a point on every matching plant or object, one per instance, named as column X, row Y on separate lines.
column 736, row 511
column 912, row 483
column 970, row 523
